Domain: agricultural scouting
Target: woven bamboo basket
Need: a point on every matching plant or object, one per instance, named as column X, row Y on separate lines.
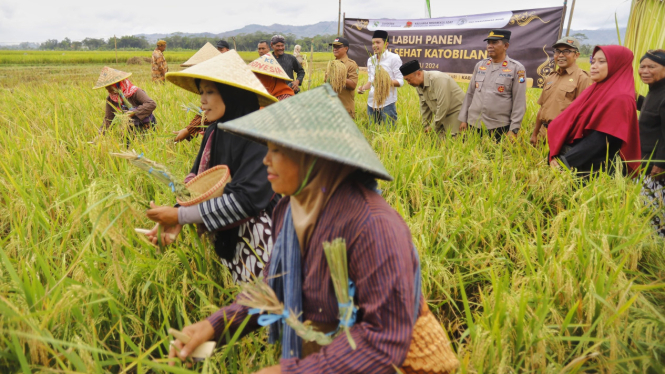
column 430, row 351
column 207, row 185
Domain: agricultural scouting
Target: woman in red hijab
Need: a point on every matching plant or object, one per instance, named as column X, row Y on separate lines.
column 602, row 121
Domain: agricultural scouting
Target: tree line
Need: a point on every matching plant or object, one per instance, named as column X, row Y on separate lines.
column 242, row 42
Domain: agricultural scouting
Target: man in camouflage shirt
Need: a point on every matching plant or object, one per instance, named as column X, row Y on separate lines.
column 159, row 66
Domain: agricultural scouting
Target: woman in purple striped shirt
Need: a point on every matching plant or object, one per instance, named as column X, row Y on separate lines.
column 326, row 170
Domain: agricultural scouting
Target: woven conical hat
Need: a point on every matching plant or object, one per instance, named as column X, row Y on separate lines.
column 227, row 68
column 268, row 65
column 206, row 52
column 315, row 123
column 109, row 76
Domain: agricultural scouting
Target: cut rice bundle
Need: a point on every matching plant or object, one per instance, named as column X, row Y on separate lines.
column 336, row 73
column 382, row 86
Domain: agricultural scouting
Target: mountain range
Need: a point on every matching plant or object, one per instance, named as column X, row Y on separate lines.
column 594, row 37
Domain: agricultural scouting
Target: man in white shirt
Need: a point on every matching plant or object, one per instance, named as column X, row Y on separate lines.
column 391, row 63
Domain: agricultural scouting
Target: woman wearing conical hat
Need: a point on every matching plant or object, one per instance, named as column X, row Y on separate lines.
column 272, row 76
column 318, row 159
column 124, row 97
column 195, row 127
column 238, row 222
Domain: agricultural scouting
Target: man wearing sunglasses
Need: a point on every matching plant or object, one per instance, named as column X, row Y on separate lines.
column 562, row 86
column 341, row 50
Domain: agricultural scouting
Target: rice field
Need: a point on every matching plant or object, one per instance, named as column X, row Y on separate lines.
column 23, row 58
column 528, row 269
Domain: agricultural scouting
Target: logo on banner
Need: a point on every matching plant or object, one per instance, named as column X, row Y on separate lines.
column 461, row 21
column 377, row 23
column 525, row 18
column 545, row 69
column 360, row 24
column 408, row 24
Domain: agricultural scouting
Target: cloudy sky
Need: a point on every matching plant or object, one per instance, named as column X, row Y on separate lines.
column 38, row 20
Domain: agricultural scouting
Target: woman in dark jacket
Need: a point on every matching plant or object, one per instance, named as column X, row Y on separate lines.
column 652, row 133
column 124, row 97
column 239, row 221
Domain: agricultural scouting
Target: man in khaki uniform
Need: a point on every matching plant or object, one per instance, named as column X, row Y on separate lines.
column 497, row 93
column 348, row 94
column 562, row 86
column 440, row 98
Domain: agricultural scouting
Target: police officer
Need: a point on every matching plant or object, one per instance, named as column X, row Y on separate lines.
column 562, row 86
column 497, row 93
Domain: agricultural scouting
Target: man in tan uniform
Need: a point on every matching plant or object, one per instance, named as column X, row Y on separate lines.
column 440, row 98
column 159, row 66
column 562, row 86
column 497, row 93
column 347, row 96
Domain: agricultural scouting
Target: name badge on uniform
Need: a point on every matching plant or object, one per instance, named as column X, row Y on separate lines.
column 483, row 68
column 502, row 88
column 507, row 70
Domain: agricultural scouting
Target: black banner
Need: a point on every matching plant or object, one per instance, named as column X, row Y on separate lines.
column 455, row 44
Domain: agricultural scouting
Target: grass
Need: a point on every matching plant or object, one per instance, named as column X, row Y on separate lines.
column 528, row 269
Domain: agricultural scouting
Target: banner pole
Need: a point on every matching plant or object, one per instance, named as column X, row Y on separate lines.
column 343, row 23
column 339, row 16
column 563, row 17
column 570, row 18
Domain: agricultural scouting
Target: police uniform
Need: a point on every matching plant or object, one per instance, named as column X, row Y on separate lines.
column 497, row 93
column 561, row 87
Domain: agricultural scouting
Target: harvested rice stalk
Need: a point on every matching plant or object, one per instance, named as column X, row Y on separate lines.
column 191, row 107
column 158, row 171
column 336, row 75
column 382, row 86
column 259, row 295
column 339, row 272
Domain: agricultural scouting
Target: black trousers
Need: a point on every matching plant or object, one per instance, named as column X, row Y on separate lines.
column 496, row 133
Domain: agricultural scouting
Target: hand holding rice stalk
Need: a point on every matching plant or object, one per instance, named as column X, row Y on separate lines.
column 336, row 75
column 382, row 85
column 158, row 171
column 339, row 272
column 259, row 296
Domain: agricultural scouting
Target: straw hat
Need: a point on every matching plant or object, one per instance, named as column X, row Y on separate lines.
column 110, row 76
column 206, row 52
column 227, row 68
column 314, row 122
column 268, row 65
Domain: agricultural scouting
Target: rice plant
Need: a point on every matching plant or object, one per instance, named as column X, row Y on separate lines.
column 645, row 31
column 528, row 269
